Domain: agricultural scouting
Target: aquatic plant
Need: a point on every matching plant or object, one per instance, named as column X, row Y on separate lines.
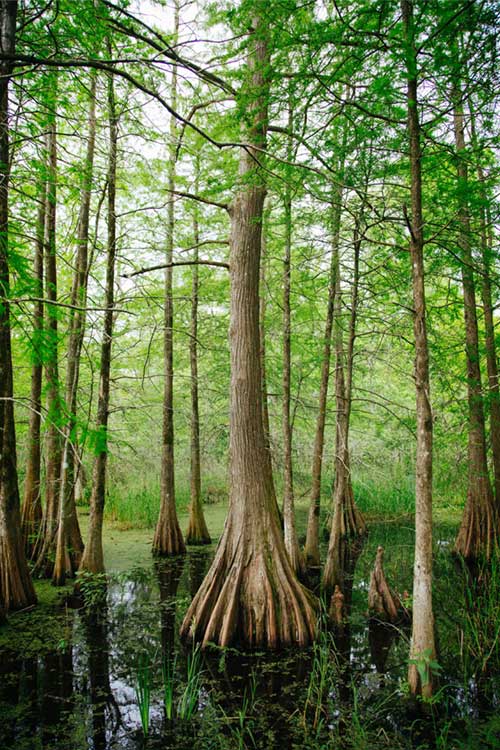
column 168, row 671
column 143, row 690
column 188, row 703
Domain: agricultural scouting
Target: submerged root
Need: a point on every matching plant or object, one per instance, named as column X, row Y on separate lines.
column 336, row 612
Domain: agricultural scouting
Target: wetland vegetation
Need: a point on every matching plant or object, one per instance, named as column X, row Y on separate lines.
column 249, row 395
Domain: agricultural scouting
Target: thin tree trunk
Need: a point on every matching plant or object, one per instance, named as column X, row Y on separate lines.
column 16, row 588
column 422, row 639
column 197, row 532
column 45, row 547
column 168, row 535
column 478, row 530
column 93, row 556
column 311, row 549
column 489, row 326
column 69, row 548
column 289, row 526
column 31, row 512
column 347, row 520
column 491, row 353
column 250, row 594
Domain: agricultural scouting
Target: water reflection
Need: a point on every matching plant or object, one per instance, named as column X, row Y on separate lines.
column 81, row 696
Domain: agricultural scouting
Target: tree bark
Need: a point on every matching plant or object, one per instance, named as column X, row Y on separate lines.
column 289, row 526
column 489, row 326
column 197, row 532
column 69, row 547
column 477, row 535
column 311, row 549
column 16, row 588
column 93, row 556
column 347, row 520
column 168, row 536
column 262, row 335
column 31, row 512
column 250, row 594
column 422, row 639
column 43, row 554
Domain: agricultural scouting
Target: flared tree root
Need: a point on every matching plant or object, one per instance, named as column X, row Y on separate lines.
column 197, row 531
column 168, row 538
column 478, row 536
column 251, row 598
column 383, row 603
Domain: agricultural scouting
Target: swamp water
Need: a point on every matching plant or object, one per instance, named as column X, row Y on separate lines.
column 79, row 677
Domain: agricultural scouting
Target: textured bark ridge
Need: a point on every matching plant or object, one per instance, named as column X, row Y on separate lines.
column 382, row 602
column 250, row 595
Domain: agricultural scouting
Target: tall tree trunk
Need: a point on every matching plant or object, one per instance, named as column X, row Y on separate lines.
column 31, row 512
column 491, row 352
column 69, row 548
column 289, row 526
column 262, row 335
column 168, row 536
column 45, row 547
column 16, row 588
column 422, row 639
column 347, row 520
column 478, row 530
column 93, row 557
column 311, row 549
column 197, row 532
column 250, row 593
column 489, row 326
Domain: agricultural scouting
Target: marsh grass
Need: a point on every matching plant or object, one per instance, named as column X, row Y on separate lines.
column 142, row 686
column 188, row 703
column 480, row 627
column 168, row 672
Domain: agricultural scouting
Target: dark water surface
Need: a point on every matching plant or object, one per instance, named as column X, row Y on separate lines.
column 349, row 691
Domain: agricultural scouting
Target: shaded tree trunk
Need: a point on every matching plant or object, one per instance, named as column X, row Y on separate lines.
column 477, row 535
column 69, row 547
column 197, row 532
column 289, row 526
column 43, row 553
column 16, row 588
column 31, row 512
column 168, row 536
column 422, row 639
column 250, row 593
column 93, row 557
